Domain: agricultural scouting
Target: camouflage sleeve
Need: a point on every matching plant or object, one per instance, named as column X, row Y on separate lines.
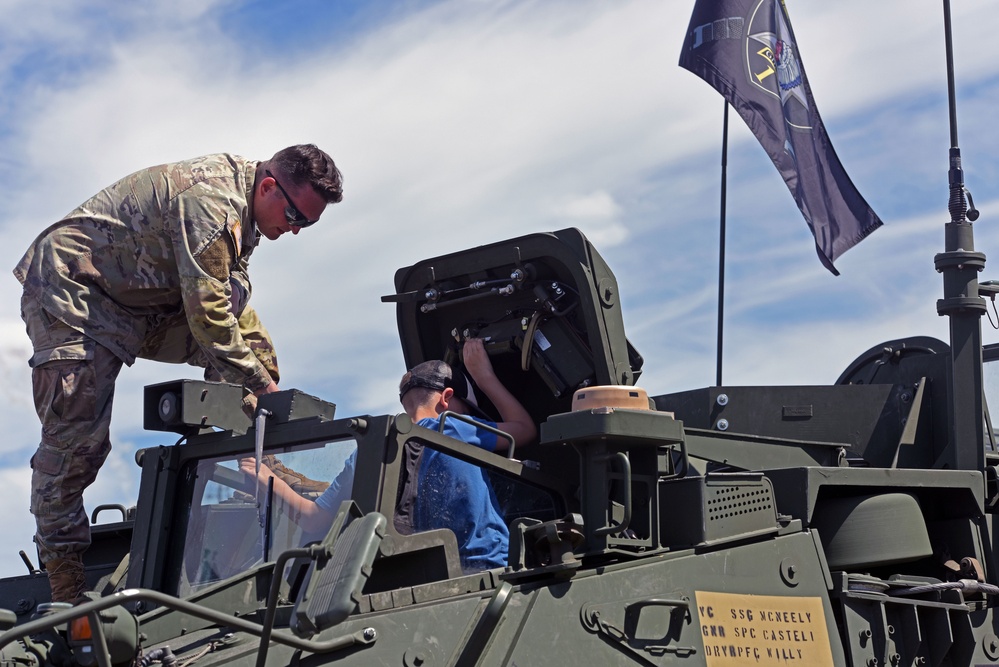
column 205, row 214
column 256, row 336
column 239, row 281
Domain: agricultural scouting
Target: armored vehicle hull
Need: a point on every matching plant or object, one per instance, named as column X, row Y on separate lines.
column 838, row 525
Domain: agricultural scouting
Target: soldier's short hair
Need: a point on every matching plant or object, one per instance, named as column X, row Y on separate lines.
column 305, row 163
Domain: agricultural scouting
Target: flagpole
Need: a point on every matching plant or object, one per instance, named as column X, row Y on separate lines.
column 721, row 248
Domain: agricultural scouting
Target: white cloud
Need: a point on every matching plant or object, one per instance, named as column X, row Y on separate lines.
column 596, row 214
column 597, row 204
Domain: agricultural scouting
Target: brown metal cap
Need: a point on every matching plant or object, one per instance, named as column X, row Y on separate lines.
column 611, row 396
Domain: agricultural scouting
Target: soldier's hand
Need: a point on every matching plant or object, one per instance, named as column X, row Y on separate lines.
column 250, row 405
column 269, row 389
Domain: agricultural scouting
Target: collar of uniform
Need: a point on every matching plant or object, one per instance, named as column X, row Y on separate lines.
column 251, row 237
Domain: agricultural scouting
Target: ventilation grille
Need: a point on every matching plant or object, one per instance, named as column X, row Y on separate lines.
column 728, row 502
column 716, row 508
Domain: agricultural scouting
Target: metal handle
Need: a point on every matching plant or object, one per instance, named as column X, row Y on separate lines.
column 626, row 474
column 478, row 424
column 101, row 508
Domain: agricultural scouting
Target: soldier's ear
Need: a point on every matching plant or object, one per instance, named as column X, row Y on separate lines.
column 265, row 185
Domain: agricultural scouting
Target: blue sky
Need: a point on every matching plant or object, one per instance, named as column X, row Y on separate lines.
column 463, row 123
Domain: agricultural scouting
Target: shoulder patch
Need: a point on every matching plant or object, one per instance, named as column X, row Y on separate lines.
column 236, row 232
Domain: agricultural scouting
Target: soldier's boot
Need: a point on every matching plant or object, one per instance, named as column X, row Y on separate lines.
column 66, row 579
column 296, row 480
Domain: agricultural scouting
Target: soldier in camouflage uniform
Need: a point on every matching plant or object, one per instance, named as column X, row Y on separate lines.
column 154, row 266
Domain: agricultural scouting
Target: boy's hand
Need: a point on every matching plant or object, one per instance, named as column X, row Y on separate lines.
column 476, row 360
column 249, row 466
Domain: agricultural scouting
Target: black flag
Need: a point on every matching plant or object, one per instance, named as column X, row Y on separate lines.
column 747, row 51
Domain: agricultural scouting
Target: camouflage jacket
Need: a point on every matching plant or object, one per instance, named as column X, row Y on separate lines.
column 165, row 246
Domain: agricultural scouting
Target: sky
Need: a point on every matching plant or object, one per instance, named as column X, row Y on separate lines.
column 460, row 123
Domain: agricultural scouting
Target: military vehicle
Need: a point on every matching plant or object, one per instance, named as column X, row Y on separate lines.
column 849, row 524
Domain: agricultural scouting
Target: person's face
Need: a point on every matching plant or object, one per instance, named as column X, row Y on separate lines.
column 276, row 201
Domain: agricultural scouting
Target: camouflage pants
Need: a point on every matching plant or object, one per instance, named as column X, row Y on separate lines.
column 73, row 378
column 73, row 386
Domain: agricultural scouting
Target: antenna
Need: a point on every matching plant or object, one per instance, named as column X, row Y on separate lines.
column 957, row 205
column 960, row 264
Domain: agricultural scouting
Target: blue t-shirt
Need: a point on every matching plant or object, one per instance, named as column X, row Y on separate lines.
column 458, row 495
column 340, row 488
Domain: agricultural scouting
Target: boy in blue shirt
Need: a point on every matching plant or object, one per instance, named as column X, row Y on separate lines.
column 452, row 493
column 449, row 493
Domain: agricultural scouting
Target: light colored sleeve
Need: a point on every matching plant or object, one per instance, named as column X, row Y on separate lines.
column 205, row 253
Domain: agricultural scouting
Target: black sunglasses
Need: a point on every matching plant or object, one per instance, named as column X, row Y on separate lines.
column 292, row 214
